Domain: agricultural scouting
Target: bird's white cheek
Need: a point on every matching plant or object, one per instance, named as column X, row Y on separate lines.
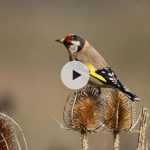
column 73, row 48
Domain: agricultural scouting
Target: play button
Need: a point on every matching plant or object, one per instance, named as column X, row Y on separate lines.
column 75, row 75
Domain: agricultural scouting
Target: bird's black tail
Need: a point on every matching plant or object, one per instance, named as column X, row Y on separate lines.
column 129, row 94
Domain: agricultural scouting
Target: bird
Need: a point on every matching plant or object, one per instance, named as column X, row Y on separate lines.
column 80, row 49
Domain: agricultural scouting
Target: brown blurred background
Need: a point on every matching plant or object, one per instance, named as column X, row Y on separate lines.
column 30, row 60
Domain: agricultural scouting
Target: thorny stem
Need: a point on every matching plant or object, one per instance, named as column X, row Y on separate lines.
column 142, row 130
column 84, row 141
column 116, row 141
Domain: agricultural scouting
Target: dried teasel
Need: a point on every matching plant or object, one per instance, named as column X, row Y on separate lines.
column 9, row 134
column 119, row 113
column 91, row 108
column 84, row 112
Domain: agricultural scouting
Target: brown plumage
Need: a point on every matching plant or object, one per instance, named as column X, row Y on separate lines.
column 90, row 55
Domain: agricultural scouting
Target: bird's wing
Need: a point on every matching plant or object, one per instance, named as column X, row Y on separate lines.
column 92, row 73
column 108, row 74
column 109, row 79
column 105, row 75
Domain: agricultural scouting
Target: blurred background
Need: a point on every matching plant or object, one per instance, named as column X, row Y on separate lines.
column 30, row 60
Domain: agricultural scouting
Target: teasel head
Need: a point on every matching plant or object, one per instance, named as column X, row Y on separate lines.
column 6, row 135
column 119, row 114
column 119, row 111
column 84, row 110
column 11, row 135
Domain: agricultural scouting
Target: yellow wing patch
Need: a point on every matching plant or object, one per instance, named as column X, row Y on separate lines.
column 92, row 72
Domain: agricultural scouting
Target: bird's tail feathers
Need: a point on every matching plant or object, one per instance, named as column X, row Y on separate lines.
column 130, row 95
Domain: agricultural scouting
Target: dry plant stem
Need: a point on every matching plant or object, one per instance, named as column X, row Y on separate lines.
column 84, row 141
column 116, row 141
column 142, row 130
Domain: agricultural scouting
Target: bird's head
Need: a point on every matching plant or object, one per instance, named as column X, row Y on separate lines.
column 73, row 43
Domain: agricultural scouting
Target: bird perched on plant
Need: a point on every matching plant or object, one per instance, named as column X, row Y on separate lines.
column 80, row 49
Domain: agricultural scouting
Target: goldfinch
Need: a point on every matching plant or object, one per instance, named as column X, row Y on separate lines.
column 80, row 49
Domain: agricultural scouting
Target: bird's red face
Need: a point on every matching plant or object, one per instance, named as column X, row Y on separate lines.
column 72, row 42
column 68, row 39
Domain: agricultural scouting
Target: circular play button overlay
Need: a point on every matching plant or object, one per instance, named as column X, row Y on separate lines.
column 75, row 75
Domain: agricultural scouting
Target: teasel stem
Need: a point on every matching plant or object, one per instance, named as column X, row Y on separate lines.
column 142, row 130
column 116, row 142
column 84, row 140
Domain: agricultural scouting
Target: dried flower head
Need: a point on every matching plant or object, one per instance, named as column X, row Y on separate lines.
column 84, row 110
column 9, row 134
column 118, row 111
column 6, row 135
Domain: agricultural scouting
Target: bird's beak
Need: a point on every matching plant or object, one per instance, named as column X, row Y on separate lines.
column 69, row 52
column 60, row 40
